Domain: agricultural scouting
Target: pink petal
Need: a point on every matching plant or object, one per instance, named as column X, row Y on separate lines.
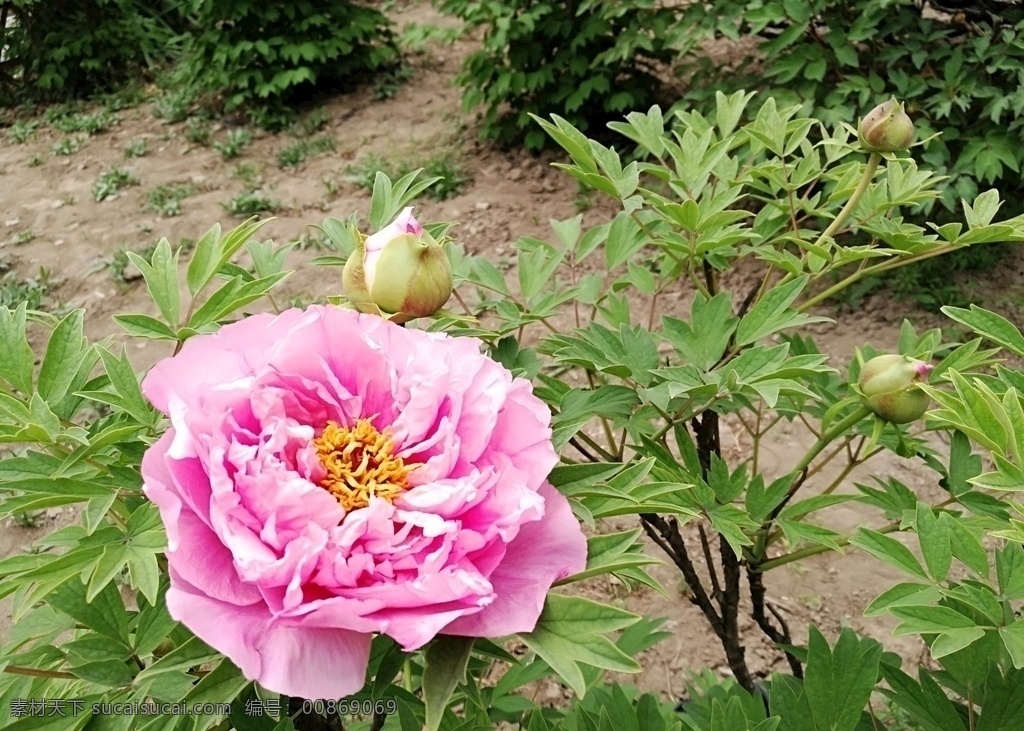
column 307, row 662
column 544, row 551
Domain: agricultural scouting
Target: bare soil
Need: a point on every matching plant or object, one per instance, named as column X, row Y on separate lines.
column 512, row 194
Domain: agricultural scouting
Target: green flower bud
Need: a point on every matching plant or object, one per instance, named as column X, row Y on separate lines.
column 400, row 271
column 889, row 386
column 886, row 128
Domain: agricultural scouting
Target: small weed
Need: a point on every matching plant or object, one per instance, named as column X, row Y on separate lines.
column 364, row 171
column 584, row 199
column 294, row 155
column 69, row 145
column 28, row 519
column 251, row 203
column 22, row 132
column 453, row 178
column 238, row 140
column 126, row 98
column 68, row 200
column 165, row 200
column 249, row 174
column 32, row 291
column 388, row 83
column 111, row 181
column 315, row 240
column 311, row 123
column 90, row 124
column 417, row 36
column 174, row 106
column 330, row 184
column 35, row 161
column 136, row 148
column 23, row 237
column 197, row 131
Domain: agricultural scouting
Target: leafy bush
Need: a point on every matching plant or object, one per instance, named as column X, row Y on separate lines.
column 264, row 56
column 587, row 61
column 959, row 76
column 59, row 49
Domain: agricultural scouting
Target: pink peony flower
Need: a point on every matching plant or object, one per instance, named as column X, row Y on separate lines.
column 328, row 475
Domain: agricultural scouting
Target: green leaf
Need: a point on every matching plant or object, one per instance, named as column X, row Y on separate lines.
column 104, row 614
column 772, row 314
column 203, row 263
column 16, row 358
column 219, row 685
column 570, row 635
column 144, row 326
column 703, row 340
column 839, row 681
column 954, row 640
column 994, row 327
column 161, row 275
column 933, row 535
column 64, row 354
column 446, row 663
column 902, row 594
column 1012, row 636
column 926, row 702
column 923, row 620
column 888, row 550
column 1010, row 571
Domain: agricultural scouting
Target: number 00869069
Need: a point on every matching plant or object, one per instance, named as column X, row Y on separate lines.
column 351, row 707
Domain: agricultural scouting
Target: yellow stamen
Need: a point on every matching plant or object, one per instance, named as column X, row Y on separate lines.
column 360, row 463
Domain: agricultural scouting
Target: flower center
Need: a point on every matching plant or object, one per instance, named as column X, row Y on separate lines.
column 360, row 463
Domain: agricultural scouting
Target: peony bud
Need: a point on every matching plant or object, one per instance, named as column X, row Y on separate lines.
column 400, row 270
column 886, row 128
column 889, row 385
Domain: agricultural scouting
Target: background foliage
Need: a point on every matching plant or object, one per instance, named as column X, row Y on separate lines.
column 588, row 61
column 60, row 49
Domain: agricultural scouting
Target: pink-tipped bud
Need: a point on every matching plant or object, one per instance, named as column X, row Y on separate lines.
column 886, row 128
column 889, row 385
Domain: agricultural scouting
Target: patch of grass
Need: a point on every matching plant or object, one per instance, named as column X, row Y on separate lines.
column 69, row 145
column 311, row 123
column 296, row 154
column 28, row 519
column 453, row 177
column 165, row 200
column 251, row 203
column 32, row 291
column 35, row 161
column 138, row 147
column 197, row 131
column 237, row 141
column 249, row 173
column 174, row 106
column 110, row 181
column 388, row 84
column 91, row 124
column 23, row 237
column 21, row 132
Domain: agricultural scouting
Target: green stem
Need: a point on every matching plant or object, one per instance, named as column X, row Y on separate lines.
column 874, row 269
column 865, row 181
column 815, row 550
column 827, row 437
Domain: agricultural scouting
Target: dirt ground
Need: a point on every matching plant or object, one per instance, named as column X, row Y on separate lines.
column 511, row 195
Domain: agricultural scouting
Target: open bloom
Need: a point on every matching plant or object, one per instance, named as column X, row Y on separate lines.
column 329, row 475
